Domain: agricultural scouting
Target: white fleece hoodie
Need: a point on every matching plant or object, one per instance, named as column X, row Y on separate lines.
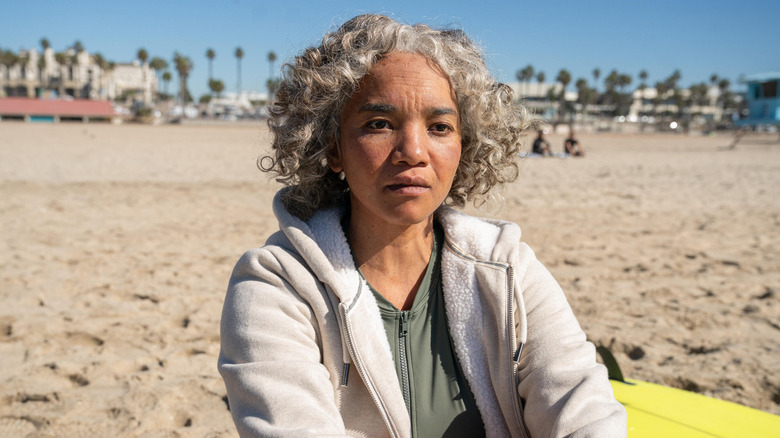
column 298, row 317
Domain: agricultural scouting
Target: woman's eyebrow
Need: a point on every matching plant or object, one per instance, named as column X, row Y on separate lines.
column 377, row 108
column 443, row 111
column 387, row 109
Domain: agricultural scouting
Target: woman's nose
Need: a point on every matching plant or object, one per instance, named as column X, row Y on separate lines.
column 411, row 148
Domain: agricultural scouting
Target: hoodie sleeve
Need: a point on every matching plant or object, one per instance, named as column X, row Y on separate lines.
column 565, row 391
column 270, row 359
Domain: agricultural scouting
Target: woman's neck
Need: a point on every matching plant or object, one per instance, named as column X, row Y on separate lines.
column 393, row 259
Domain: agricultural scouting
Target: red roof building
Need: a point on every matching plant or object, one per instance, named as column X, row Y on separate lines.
column 56, row 109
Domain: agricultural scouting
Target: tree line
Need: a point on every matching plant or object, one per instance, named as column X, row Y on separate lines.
column 617, row 96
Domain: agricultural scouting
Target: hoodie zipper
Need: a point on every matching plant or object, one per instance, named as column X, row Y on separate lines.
column 369, row 386
column 404, row 360
column 516, row 352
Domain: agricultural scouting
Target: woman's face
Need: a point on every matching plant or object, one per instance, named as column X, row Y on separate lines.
column 400, row 142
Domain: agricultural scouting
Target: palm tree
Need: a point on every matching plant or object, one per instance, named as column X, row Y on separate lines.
column 44, row 45
column 41, row 66
column 540, row 77
column 680, row 103
column 239, row 54
column 271, row 59
column 524, row 76
column 725, row 97
column 216, row 86
column 611, row 95
column 643, row 77
column 210, row 54
column 8, row 58
column 642, row 85
column 520, row 75
column 624, row 81
column 142, row 55
column 528, row 72
column 672, row 80
column 596, row 75
column 42, row 63
column 714, row 79
column 583, row 94
column 22, row 60
column 698, row 94
column 661, row 89
column 183, row 66
column 100, row 61
column 166, row 76
column 671, row 85
column 564, row 77
column 272, row 84
column 77, row 48
column 158, row 64
column 61, row 58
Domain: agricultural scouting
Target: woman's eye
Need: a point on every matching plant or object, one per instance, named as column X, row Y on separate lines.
column 378, row 124
column 441, row 127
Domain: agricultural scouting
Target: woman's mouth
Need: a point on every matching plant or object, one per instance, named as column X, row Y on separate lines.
column 409, row 185
column 408, row 189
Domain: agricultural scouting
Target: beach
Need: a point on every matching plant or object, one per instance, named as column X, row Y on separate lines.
column 118, row 242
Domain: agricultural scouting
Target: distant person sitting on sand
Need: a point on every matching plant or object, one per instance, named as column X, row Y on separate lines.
column 541, row 146
column 572, row 146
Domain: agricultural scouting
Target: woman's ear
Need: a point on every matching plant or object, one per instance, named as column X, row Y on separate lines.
column 334, row 156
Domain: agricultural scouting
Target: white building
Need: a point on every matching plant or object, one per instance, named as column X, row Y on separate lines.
column 76, row 75
column 234, row 105
column 538, row 97
column 646, row 102
column 129, row 80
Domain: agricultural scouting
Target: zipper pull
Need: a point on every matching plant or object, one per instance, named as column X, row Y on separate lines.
column 518, row 352
column 341, row 317
column 404, row 323
column 345, row 373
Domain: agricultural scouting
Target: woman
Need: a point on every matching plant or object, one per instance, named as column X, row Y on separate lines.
column 540, row 145
column 377, row 309
column 572, row 146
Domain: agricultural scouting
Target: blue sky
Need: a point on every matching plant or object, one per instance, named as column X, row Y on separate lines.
column 698, row 37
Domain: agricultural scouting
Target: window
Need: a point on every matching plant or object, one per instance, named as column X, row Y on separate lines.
column 769, row 89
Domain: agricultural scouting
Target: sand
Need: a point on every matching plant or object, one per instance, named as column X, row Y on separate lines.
column 118, row 241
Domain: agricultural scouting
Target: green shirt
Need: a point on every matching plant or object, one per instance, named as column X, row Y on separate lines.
column 437, row 395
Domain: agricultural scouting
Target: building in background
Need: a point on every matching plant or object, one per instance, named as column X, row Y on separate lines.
column 762, row 100
column 132, row 80
column 76, row 75
column 643, row 105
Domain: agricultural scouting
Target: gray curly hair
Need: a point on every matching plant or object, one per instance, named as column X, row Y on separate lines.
column 318, row 84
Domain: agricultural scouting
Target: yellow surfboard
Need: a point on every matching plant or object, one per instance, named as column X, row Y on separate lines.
column 661, row 411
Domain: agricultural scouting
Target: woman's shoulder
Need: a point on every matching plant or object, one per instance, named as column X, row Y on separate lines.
column 484, row 238
column 278, row 253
